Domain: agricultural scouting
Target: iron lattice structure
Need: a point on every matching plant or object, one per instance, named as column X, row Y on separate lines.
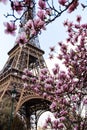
column 29, row 56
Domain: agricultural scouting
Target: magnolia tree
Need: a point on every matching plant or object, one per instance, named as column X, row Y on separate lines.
column 46, row 12
column 66, row 89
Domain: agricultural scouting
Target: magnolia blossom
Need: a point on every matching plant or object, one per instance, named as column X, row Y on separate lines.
column 73, row 6
column 44, row 71
column 55, row 124
column 24, row 78
column 53, row 106
column 62, row 119
column 41, row 14
column 55, row 71
column 48, row 11
column 85, row 101
column 21, row 40
column 4, row 1
column 66, row 89
column 42, row 4
column 10, row 28
column 25, row 71
column 39, row 24
column 33, row 27
column 45, row 95
column 62, row 2
column 17, row 6
column 49, row 80
column 78, row 19
column 52, row 48
column 61, row 125
column 25, row 85
column 29, row 25
column 48, row 87
column 48, row 120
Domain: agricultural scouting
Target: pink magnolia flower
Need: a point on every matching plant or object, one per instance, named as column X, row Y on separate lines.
column 65, row 87
column 60, row 125
column 33, row 80
column 50, row 97
column 63, row 112
column 25, row 71
column 24, row 78
column 10, row 28
column 42, row 77
column 85, row 101
column 77, row 26
column 55, row 124
column 52, row 48
column 39, row 24
column 74, row 98
column 48, row 120
column 55, row 114
column 55, row 71
column 62, row 118
column 62, row 2
column 78, row 19
column 73, row 6
column 21, row 40
column 3, row 1
column 29, row 74
column 60, row 57
column 84, row 25
column 57, row 66
column 58, row 91
column 33, row 32
column 42, row 4
column 62, row 75
column 65, row 23
column 36, row 90
column 25, row 85
column 49, row 80
column 51, row 56
column 48, row 11
column 53, row 106
column 48, row 87
column 76, row 128
column 44, row 71
column 33, row 27
column 45, row 126
column 29, row 25
column 17, row 6
column 41, row 14
column 45, row 95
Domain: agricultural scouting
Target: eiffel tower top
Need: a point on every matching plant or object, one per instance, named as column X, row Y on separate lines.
column 29, row 13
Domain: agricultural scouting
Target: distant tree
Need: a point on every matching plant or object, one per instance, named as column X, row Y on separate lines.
column 18, row 124
column 15, row 123
column 5, row 108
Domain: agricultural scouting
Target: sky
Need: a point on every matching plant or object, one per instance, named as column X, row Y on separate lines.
column 54, row 33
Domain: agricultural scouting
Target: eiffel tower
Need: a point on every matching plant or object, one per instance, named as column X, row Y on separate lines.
column 27, row 102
